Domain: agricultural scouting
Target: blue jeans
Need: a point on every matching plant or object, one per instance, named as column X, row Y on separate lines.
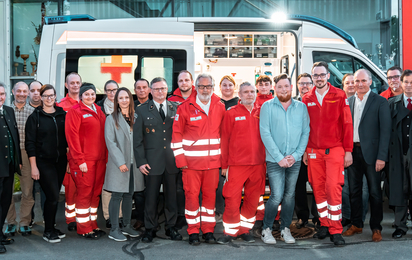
column 282, row 185
column 346, row 199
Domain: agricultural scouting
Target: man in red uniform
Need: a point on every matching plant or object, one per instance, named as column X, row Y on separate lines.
column 244, row 154
column 87, row 148
column 264, row 85
column 329, row 150
column 73, row 83
column 196, row 145
column 186, row 88
column 394, row 80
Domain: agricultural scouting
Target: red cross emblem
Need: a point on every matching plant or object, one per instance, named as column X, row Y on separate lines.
column 116, row 68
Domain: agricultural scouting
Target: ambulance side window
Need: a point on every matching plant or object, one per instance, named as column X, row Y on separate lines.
column 339, row 64
column 158, row 67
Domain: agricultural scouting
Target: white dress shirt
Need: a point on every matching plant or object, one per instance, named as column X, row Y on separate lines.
column 405, row 100
column 357, row 114
column 203, row 106
column 158, row 106
column 320, row 97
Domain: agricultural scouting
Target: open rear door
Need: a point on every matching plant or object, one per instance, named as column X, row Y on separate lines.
column 128, row 49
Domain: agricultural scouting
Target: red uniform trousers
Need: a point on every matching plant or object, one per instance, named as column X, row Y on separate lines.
column 252, row 178
column 326, row 176
column 193, row 182
column 70, row 194
column 89, row 187
column 261, row 210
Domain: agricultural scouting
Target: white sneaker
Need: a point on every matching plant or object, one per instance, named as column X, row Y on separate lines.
column 267, row 237
column 287, row 236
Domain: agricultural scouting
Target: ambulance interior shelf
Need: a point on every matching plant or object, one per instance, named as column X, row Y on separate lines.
column 240, row 45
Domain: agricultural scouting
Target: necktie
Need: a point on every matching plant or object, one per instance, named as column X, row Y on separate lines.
column 162, row 113
column 409, row 104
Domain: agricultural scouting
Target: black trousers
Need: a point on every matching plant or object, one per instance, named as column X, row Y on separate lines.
column 301, row 198
column 220, row 200
column 139, row 199
column 6, row 193
column 180, row 195
column 153, row 183
column 355, row 176
column 51, row 179
column 401, row 212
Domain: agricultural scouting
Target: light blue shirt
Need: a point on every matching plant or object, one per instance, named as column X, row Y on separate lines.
column 284, row 132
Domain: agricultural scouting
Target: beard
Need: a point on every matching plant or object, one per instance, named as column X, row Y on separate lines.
column 286, row 98
column 204, row 97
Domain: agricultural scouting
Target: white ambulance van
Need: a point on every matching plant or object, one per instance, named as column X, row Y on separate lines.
column 127, row 49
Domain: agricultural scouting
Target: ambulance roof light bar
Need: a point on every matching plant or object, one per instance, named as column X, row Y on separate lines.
column 67, row 18
column 323, row 23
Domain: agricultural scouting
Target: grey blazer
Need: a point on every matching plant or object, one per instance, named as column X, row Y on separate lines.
column 119, row 144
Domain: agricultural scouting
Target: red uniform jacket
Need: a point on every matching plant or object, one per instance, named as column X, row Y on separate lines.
column 67, row 102
column 240, row 142
column 85, row 134
column 330, row 124
column 387, row 93
column 177, row 95
column 260, row 99
column 196, row 136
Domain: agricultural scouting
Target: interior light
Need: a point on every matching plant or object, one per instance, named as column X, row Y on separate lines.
column 279, row 17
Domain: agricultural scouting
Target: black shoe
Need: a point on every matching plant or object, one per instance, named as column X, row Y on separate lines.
column 32, row 223
column 173, row 234
column 180, row 222
column 59, row 233
column 6, row 241
column 247, row 237
column 258, row 224
column 91, row 236
column 121, row 225
column 72, row 226
column 345, row 222
column 337, row 240
column 148, row 236
column 2, row 249
column 51, row 237
column 108, row 224
column 322, row 233
column 316, row 222
column 225, row 239
column 398, row 233
column 99, row 232
column 209, row 238
column 194, row 239
column 300, row 224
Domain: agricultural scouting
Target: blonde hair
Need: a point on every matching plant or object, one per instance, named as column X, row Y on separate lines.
column 230, row 78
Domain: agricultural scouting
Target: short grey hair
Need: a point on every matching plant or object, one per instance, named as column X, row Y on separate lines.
column 246, row 84
column 156, row 80
column 366, row 71
column 3, row 85
column 207, row 76
column 19, row 83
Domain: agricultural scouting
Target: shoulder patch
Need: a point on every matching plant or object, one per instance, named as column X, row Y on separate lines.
column 346, row 101
column 229, row 108
column 177, row 117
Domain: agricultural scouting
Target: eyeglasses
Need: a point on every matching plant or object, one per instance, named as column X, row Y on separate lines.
column 396, row 77
column 159, row 89
column 112, row 91
column 205, row 86
column 322, row 76
column 48, row 96
column 305, row 84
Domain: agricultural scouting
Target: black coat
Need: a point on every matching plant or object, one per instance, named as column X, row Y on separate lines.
column 374, row 128
column 152, row 138
column 45, row 135
column 12, row 125
column 100, row 103
column 396, row 167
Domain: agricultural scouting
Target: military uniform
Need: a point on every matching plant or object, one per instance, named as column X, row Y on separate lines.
column 152, row 137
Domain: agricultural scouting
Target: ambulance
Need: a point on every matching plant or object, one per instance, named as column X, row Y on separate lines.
column 128, row 49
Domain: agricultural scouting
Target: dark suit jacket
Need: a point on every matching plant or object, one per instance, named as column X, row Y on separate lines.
column 152, row 138
column 374, row 128
column 297, row 97
column 12, row 125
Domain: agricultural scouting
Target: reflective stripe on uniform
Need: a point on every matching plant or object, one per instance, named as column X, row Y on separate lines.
column 82, row 220
column 246, row 224
column 196, row 153
column 323, row 214
column 322, row 205
column 93, row 210
column 193, row 221
column 93, row 217
column 335, row 217
column 191, row 213
column 247, row 219
column 335, row 208
column 215, row 152
column 208, row 219
column 70, row 215
column 176, row 145
column 178, row 152
column 187, row 142
column 82, row 211
column 261, row 207
column 208, row 211
column 70, row 207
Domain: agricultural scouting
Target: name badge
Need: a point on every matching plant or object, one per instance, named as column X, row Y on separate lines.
column 311, row 104
column 195, row 118
column 87, row 115
column 312, row 155
column 240, row 118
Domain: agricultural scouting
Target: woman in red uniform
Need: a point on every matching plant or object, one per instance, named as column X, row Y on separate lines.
column 87, row 148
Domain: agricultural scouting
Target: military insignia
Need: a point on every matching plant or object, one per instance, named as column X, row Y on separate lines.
column 147, row 130
column 135, row 116
column 153, row 130
column 151, row 107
